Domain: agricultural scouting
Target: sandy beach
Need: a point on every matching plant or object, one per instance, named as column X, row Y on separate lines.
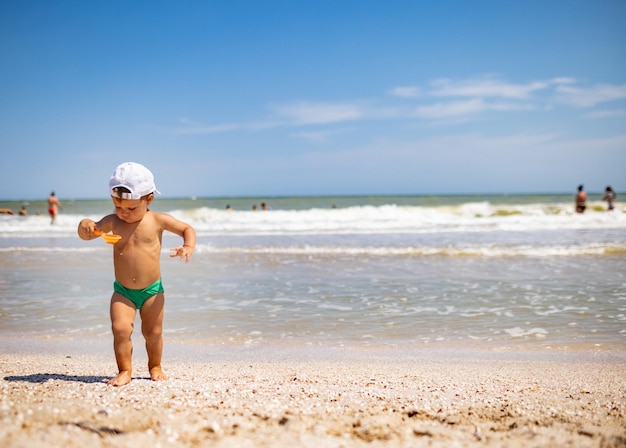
column 55, row 395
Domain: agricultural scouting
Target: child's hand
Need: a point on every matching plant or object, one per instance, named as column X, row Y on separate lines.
column 86, row 229
column 182, row 252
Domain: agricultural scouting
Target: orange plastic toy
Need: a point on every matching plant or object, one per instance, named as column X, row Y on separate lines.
column 110, row 238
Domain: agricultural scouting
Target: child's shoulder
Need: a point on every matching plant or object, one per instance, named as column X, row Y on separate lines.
column 159, row 217
column 165, row 220
column 110, row 218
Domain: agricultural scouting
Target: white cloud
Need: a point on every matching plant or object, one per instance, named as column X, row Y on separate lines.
column 197, row 129
column 319, row 113
column 406, row 92
column 589, row 97
column 319, row 136
column 596, row 114
column 481, row 88
column 563, row 80
column 456, row 108
column 457, row 102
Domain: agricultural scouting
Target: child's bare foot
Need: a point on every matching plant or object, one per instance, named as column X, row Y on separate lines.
column 157, row 374
column 121, row 379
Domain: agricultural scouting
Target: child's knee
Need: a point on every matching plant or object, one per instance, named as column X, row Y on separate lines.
column 152, row 333
column 121, row 329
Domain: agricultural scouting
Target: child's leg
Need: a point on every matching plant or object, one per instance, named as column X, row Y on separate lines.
column 122, row 321
column 152, row 329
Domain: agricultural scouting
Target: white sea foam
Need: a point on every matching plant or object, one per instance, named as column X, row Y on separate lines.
column 518, row 332
column 468, row 251
column 411, row 251
column 468, row 217
column 471, row 217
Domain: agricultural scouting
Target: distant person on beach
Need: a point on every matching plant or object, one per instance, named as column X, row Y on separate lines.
column 6, row 211
column 53, row 207
column 264, row 206
column 581, row 200
column 23, row 211
column 136, row 264
column 610, row 197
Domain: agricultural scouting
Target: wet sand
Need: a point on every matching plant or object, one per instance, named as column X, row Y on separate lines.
column 55, row 395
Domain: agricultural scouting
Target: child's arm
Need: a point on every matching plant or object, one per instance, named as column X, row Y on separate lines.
column 188, row 247
column 87, row 226
column 183, row 230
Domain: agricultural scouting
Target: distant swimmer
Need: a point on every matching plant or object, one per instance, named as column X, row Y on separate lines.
column 6, row 211
column 610, row 197
column 581, row 200
column 53, row 207
column 23, row 211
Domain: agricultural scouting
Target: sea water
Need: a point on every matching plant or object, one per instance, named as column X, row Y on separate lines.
column 485, row 271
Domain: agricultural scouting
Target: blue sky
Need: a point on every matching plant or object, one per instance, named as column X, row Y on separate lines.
column 271, row 98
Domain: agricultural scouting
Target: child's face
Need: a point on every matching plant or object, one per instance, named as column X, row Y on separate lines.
column 131, row 210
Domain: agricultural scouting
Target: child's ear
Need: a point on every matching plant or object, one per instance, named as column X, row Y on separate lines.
column 150, row 198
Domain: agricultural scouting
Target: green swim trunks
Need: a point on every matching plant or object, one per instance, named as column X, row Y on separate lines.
column 139, row 296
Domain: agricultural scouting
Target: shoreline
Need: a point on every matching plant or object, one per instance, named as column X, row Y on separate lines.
column 183, row 350
column 54, row 393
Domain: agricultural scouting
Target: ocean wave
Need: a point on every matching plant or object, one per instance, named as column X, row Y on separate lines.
column 477, row 251
column 376, row 251
column 367, row 219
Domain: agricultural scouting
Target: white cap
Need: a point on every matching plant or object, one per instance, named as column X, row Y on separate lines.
column 135, row 177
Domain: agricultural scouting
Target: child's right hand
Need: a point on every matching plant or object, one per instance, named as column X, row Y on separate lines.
column 86, row 229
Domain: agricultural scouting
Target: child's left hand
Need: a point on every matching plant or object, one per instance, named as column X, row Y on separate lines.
column 182, row 252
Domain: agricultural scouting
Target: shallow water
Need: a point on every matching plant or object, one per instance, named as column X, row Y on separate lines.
column 506, row 272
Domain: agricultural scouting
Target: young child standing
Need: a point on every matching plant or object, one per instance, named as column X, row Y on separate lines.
column 136, row 260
